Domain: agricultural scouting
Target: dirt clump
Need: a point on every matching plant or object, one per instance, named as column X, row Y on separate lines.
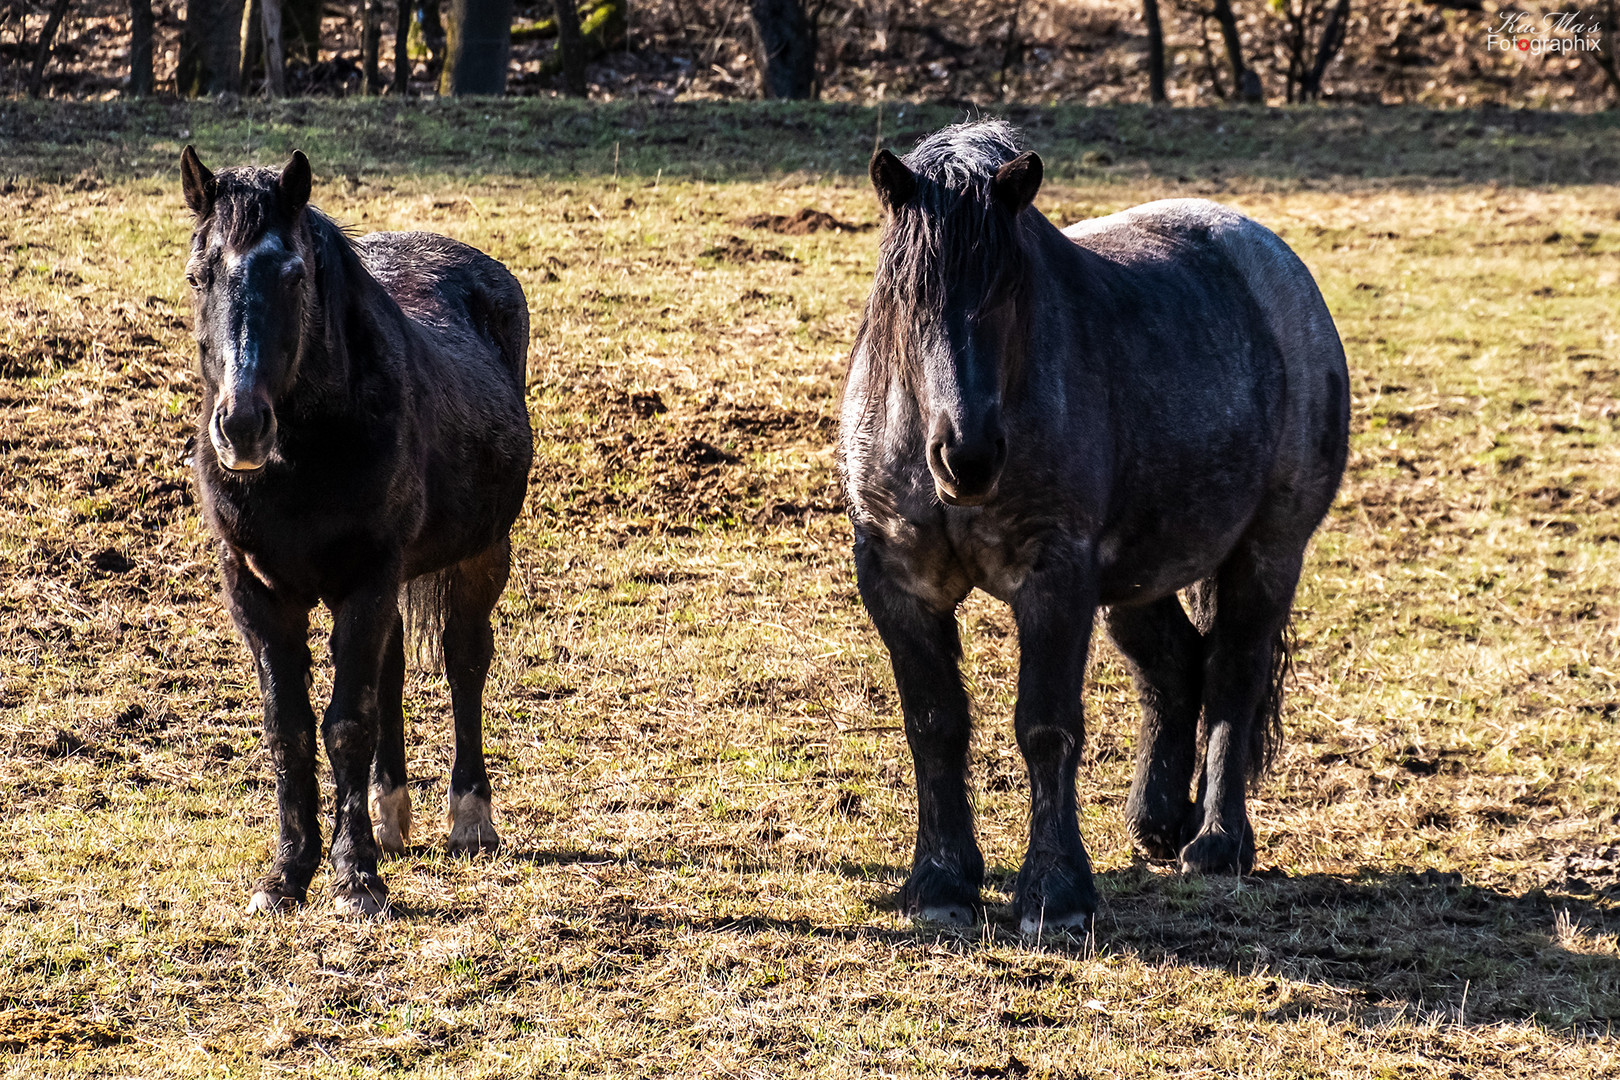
column 800, row 223
column 631, row 462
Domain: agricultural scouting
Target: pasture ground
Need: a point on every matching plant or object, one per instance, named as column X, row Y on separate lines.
column 700, row 779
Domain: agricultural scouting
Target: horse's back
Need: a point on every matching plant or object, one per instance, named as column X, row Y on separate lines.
column 447, row 288
column 465, row 364
column 1313, row 435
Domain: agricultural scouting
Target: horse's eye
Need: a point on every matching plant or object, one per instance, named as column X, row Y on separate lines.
column 293, row 272
column 197, row 279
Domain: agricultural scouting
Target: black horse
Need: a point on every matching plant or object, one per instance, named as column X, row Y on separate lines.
column 363, row 430
column 1149, row 403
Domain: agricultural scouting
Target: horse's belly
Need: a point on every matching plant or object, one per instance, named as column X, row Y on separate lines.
column 1140, row 566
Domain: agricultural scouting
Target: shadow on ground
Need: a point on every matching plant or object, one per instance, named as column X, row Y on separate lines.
column 1369, row 943
column 527, row 138
column 1429, row 941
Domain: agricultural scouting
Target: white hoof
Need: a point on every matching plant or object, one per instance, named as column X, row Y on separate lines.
column 391, row 819
column 472, row 826
column 1075, row 924
column 361, row 905
column 264, row 903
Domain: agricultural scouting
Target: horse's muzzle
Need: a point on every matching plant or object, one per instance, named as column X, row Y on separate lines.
column 966, row 470
column 243, row 431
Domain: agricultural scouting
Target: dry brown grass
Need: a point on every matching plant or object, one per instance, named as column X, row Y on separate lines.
column 692, row 731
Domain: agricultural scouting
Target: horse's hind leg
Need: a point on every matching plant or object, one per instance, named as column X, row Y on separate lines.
column 390, row 798
column 1166, row 655
column 472, row 588
column 1254, row 592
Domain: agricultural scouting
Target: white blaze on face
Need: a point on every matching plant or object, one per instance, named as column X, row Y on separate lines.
column 241, row 360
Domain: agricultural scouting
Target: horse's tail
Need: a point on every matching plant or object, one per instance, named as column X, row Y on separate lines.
column 422, row 604
column 1266, row 733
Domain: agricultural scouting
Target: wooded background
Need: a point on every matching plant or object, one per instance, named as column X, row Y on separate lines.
column 1097, row 51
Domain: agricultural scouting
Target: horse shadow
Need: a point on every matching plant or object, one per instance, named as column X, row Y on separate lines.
column 1360, row 947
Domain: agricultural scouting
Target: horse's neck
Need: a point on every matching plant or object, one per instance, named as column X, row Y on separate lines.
column 344, row 338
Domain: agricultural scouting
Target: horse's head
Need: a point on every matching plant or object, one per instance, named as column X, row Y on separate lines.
column 946, row 302
column 250, row 288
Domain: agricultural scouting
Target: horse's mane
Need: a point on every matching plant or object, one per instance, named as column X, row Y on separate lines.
column 950, row 231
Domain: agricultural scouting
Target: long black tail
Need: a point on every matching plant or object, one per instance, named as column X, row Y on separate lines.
column 1266, row 733
column 423, row 602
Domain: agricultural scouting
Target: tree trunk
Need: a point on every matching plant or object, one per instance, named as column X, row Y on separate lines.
column 1155, row 32
column 275, row 51
column 371, row 46
column 402, row 48
column 570, row 47
column 251, row 53
column 1011, row 49
column 427, row 14
column 140, row 48
column 478, row 47
column 785, row 48
column 1608, row 20
column 47, row 36
column 1246, row 81
column 210, row 47
column 1327, row 48
column 371, row 20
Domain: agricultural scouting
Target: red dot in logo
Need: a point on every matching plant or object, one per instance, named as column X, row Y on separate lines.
column 1524, row 44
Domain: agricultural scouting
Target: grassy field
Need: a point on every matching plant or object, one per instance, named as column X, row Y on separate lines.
column 693, row 733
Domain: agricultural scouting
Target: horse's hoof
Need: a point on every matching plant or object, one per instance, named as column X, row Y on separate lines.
column 270, row 897
column 1219, row 853
column 391, row 819
column 365, row 898
column 1039, row 925
column 1159, row 827
column 268, row 903
column 941, row 892
column 955, row 916
column 1055, row 894
column 472, row 830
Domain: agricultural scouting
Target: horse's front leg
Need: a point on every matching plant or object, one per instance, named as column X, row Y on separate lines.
column 947, row 868
column 1054, row 609
column 362, row 626
column 276, row 629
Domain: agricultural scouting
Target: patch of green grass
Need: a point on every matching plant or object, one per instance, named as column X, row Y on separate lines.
column 693, row 734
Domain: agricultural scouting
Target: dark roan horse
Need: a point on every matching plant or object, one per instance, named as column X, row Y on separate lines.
column 363, row 435
column 1148, row 406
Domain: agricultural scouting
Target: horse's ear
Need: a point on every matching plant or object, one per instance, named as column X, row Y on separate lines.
column 196, row 181
column 1017, row 182
column 295, row 182
column 894, row 182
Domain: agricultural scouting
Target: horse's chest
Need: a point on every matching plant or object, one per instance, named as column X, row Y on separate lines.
column 995, row 557
column 945, row 556
column 308, row 546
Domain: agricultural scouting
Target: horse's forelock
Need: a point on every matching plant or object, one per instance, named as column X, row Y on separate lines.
column 247, row 204
column 950, row 230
